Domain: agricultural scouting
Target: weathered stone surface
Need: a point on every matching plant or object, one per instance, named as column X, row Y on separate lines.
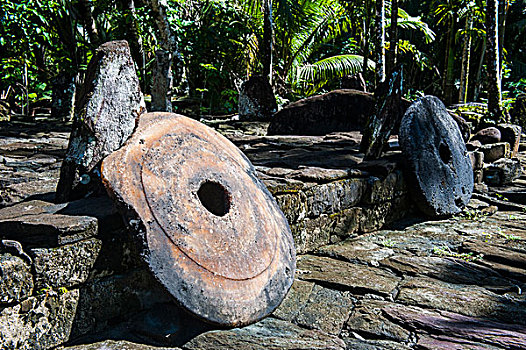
column 518, row 111
column 368, row 319
column 312, row 233
column 16, row 280
column 115, row 345
column 334, row 197
column 375, row 216
column 513, row 256
column 357, row 251
column 216, row 229
column 467, row 300
column 346, row 275
column 338, row 110
column 488, row 135
column 326, row 309
column 385, row 119
column 464, row 127
column 473, row 145
column 433, row 342
column 48, row 230
column 382, row 190
column 465, row 329
column 39, row 322
column 356, row 344
column 267, row 334
column 104, row 300
column 502, row 172
column 511, row 134
column 477, row 160
column 106, row 110
column 256, row 99
column 295, row 301
column 495, row 151
column 446, row 269
column 29, row 208
column 293, row 205
column 65, row 266
column 356, row 82
column 438, row 168
column 63, row 97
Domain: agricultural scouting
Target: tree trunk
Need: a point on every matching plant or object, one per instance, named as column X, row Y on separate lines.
column 162, row 80
column 366, row 33
column 503, row 10
column 449, row 74
column 88, row 21
column 478, row 83
column 466, row 56
column 133, row 37
column 380, row 41
column 393, row 38
column 266, row 48
column 492, row 57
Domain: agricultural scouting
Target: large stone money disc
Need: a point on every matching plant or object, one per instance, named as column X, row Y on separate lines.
column 440, row 173
column 210, row 231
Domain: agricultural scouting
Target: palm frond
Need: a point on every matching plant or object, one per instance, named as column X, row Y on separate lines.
column 310, row 77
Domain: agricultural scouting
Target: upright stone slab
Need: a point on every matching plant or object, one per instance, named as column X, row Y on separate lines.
column 256, row 99
column 386, row 117
column 106, row 109
column 209, row 230
column 438, row 166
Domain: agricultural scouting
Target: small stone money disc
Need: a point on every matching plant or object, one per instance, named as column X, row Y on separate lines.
column 440, row 173
column 209, row 230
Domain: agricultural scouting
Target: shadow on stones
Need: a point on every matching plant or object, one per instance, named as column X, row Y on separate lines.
column 121, row 300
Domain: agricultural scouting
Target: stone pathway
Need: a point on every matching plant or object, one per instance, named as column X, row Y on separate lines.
column 415, row 284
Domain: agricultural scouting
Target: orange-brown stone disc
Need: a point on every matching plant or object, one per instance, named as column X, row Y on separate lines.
column 210, row 231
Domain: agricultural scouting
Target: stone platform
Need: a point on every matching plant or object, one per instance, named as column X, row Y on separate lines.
column 371, row 274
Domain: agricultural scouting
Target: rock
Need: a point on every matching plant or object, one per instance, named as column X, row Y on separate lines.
column 338, row 110
column 115, row 345
column 502, row 172
column 346, row 275
column 63, row 97
column 48, row 230
column 363, row 252
column 477, row 160
column 495, row 151
column 106, row 110
column 488, row 135
column 267, row 334
column 256, row 99
column 385, row 119
column 355, row 82
column 439, row 171
column 326, row 309
column 518, row 111
column 334, row 197
column 432, row 342
column 465, row 129
column 16, row 280
column 512, row 135
column 65, row 266
column 368, row 319
column 38, row 323
column 295, row 301
column 465, row 329
column 358, row 344
column 473, row 145
column 216, row 229
column 468, row 300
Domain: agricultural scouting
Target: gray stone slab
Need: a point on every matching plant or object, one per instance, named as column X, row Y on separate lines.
column 16, row 280
column 354, row 277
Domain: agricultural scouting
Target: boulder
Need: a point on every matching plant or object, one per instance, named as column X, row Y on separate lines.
column 464, row 127
column 511, row 134
column 502, row 172
column 105, row 113
column 488, row 135
column 495, row 151
column 439, row 170
column 338, row 110
column 256, row 99
column 518, row 111
column 203, row 219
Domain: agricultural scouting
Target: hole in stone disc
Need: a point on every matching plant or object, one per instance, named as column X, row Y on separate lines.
column 214, row 197
column 444, row 152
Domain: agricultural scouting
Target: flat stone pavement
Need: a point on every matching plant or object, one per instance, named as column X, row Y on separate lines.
column 457, row 283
